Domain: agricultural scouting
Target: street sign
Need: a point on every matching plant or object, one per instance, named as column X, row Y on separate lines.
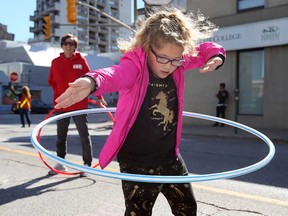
column 13, row 76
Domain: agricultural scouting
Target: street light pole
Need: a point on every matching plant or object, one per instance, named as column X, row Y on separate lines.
column 153, row 3
column 157, row 2
column 107, row 15
column 135, row 11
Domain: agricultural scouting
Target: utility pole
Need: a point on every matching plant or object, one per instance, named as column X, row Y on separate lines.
column 107, row 15
column 135, row 12
column 148, row 4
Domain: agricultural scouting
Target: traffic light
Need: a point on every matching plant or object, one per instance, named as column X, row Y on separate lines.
column 72, row 11
column 47, row 27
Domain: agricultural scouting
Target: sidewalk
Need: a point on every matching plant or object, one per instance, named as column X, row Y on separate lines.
column 275, row 135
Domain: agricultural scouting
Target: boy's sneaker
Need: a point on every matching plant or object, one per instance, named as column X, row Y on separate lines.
column 83, row 174
column 59, row 167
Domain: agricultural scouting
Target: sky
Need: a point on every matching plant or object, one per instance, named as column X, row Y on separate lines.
column 17, row 17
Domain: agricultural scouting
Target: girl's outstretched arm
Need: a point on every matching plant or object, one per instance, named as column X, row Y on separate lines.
column 212, row 64
column 77, row 91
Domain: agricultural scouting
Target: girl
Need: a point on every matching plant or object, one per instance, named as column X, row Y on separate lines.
column 24, row 105
column 148, row 119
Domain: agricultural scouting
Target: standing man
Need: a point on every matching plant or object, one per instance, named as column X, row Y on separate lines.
column 223, row 97
column 69, row 66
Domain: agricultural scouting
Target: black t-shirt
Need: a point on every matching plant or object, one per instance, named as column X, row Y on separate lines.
column 151, row 140
column 222, row 96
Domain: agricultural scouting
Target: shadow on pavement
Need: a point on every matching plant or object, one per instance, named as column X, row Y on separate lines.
column 23, row 190
column 203, row 155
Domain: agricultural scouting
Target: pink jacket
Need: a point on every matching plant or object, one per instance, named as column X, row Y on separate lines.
column 131, row 79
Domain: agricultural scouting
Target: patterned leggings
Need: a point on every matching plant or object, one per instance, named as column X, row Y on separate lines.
column 140, row 197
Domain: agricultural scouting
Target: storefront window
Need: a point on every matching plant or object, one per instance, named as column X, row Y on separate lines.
column 10, row 93
column 250, row 4
column 251, row 82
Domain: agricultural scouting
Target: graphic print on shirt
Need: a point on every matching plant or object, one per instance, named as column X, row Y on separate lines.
column 77, row 66
column 152, row 138
column 162, row 108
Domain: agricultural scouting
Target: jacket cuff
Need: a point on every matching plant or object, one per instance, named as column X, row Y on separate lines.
column 95, row 84
column 223, row 60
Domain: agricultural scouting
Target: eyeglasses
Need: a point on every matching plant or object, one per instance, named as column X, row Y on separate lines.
column 68, row 43
column 164, row 60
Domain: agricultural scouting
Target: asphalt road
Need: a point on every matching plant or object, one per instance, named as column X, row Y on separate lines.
column 25, row 188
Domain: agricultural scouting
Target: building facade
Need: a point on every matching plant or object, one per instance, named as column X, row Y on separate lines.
column 94, row 30
column 26, row 64
column 255, row 35
column 4, row 34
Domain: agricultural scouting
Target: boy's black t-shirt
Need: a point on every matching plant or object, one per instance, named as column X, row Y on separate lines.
column 151, row 140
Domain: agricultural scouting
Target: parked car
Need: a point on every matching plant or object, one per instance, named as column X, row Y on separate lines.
column 37, row 107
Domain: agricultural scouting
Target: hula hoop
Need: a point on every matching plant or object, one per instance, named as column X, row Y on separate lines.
column 102, row 106
column 39, row 135
column 153, row 178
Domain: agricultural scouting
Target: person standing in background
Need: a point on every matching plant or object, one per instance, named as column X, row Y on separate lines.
column 24, row 105
column 69, row 66
column 223, row 97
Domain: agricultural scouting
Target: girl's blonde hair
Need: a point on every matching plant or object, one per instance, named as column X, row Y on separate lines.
column 26, row 91
column 170, row 25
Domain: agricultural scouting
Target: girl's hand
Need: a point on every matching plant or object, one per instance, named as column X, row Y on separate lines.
column 211, row 65
column 77, row 91
column 103, row 102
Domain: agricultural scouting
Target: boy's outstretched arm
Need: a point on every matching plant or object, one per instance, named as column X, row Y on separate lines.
column 77, row 91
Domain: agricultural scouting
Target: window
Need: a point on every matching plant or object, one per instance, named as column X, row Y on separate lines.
column 250, row 4
column 251, row 82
